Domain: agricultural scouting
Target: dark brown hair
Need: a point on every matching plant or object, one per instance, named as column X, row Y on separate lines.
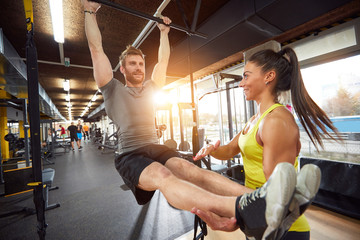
column 130, row 50
column 288, row 75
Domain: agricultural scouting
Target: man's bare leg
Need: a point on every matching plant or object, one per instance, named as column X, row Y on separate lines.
column 259, row 214
column 206, row 179
column 183, row 194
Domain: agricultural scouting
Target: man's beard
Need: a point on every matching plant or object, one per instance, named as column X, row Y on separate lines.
column 134, row 80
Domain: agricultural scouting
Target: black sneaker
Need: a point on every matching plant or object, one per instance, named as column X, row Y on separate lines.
column 80, row 148
column 308, row 183
column 73, row 150
column 260, row 213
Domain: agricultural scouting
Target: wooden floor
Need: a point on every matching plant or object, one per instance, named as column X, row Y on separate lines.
column 325, row 225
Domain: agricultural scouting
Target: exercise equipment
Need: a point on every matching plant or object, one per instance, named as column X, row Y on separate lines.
column 17, row 182
column 15, row 144
column 96, row 136
column 48, row 175
column 109, row 142
column 24, row 153
column 34, row 113
column 164, row 114
column 190, row 32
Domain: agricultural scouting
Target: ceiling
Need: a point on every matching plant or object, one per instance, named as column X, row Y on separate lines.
column 231, row 26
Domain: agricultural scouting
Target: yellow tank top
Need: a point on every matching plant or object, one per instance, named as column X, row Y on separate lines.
column 252, row 155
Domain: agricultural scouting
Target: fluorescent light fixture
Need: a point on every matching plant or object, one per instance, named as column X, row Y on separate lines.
column 94, row 98
column 67, row 97
column 56, row 9
column 66, row 85
column 89, row 104
column 69, row 104
column 87, row 109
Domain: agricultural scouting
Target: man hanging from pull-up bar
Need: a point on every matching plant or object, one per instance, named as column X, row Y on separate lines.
column 146, row 166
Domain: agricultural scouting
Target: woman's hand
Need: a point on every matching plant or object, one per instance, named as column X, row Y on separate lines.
column 215, row 222
column 206, row 150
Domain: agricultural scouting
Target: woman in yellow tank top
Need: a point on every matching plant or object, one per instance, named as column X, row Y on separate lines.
column 272, row 136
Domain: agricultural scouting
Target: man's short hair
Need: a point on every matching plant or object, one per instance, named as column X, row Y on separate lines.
column 130, row 50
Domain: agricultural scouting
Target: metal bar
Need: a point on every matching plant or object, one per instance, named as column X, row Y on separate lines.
column 228, row 104
column 178, row 3
column 61, row 64
column 181, row 125
column 171, row 124
column 227, row 75
column 148, row 28
column 10, row 103
column 26, row 137
column 148, row 17
column 196, row 14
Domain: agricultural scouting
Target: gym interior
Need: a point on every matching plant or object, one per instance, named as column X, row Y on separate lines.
column 51, row 190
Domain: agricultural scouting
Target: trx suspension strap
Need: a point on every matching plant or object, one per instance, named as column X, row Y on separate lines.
column 34, row 117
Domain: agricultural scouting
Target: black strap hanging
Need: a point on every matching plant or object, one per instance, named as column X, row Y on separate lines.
column 34, row 118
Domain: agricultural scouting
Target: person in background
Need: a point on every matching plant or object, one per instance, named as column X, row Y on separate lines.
column 86, row 132
column 62, row 132
column 72, row 132
column 79, row 132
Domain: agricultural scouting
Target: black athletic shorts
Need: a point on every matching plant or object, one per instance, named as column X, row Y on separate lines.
column 73, row 137
column 131, row 164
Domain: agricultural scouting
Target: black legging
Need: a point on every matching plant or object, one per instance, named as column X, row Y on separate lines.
column 295, row 236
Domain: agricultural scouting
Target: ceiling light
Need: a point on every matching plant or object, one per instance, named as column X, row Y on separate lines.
column 69, row 105
column 66, row 85
column 67, row 97
column 94, row 98
column 56, row 9
column 89, row 104
column 86, row 109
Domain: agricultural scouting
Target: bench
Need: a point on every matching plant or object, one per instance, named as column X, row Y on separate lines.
column 48, row 175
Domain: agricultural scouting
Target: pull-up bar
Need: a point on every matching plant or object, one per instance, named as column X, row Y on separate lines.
column 148, row 17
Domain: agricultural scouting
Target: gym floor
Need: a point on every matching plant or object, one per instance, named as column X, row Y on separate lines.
column 95, row 204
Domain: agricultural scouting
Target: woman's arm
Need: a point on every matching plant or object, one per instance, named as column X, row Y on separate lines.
column 220, row 152
column 279, row 136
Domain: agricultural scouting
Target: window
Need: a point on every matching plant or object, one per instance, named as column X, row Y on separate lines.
column 331, row 74
column 335, row 87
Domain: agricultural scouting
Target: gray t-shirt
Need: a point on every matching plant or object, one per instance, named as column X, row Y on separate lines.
column 133, row 112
